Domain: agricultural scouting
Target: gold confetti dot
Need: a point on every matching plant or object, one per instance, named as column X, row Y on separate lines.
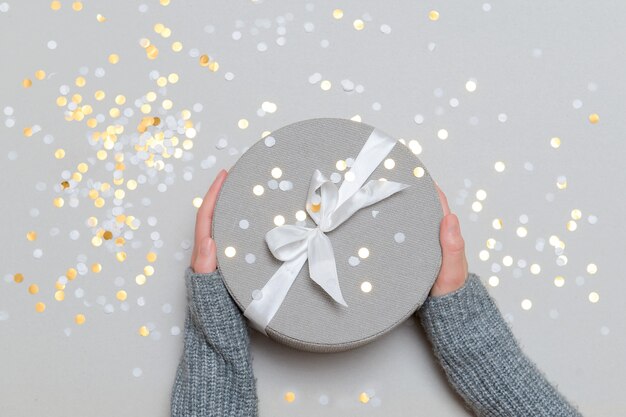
column 152, row 52
column 114, row 58
column 571, row 225
column 358, row 24
column 300, row 215
column 555, row 142
column 100, row 18
column 96, row 267
column 213, row 66
column 197, row 202
column 497, row 224
column 40, row 307
column 594, row 118
column 337, row 14
column 59, row 153
column 79, row 319
column 204, row 60
column 143, row 331
column 140, row 279
column 77, row 6
column 277, row 172
column 121, row 295
column 433, row 15
column 172, row 78
column 594, row 297
column 58, row 202
column 18, row 278
column 71, row 273
column 177, row 46
column 290, row 396
column 151, row 257
column 592, row 269
column 477, row 206
column 389, row 163
column 80, row 81
column 31, row 235
column 40, row 75
column 341, row 165
column 258, row 190
column 491, row 243
column 419, row 172
column 243, row 124
column 535, row 269
column 164, row 2
column 364, row 398
column 121, row 256
column 33, row 288
column 55, row 5
column 59, row 295
column 576, row 214
column 148, row 270
column 61, row 101
column 27, row 82
column 559, row 281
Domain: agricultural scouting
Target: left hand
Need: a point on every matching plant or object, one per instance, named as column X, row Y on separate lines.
column 204, row 256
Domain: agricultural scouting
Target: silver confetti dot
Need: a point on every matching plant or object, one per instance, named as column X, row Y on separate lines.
column 354, row 261
column 250, row 258
column 257, row 294
column 285, row 185
column 272, row 184
column 244, row 224
column 137, row 372
column 399, row 237
column 270, row 141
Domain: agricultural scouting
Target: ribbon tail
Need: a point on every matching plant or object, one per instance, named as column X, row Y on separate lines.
column 261, row 312
column 322, row 267
column 371, row 193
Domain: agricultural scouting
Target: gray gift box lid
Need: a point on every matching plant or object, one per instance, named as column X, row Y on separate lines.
column 400, row 232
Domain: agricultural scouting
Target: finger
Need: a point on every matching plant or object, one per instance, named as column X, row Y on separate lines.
column 454, row 263
column 444, row 200
column 206, row 261
column 204, row 215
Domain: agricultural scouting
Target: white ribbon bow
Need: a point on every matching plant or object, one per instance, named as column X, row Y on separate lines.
column 294, row 244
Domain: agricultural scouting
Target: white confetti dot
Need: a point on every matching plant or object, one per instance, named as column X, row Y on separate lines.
column 244, row 224
column 270, row 141
column 137, row 372
column 315, row 78
column 269, row 107
column 52, row 45
column 354, row 261
column 309, row 27
column 399, row 237
column 386, row 29
column 419, row 119
column 323, row 400
column 442, row 134
column 261, row 47
column 175, row 331
column 486, row 7
column 604, row 331
column 4, row 7
column 527, row 304
column 250, row 258
column 38, row 253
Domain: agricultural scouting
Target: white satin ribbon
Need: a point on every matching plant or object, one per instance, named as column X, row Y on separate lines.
column 294, row 244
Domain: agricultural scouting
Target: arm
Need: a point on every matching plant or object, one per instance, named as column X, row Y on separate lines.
column 482, row 358
column 214, row 376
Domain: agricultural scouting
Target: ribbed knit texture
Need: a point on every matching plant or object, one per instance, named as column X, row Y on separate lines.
column 214, row 377
column 482, row 359
column 470, row 339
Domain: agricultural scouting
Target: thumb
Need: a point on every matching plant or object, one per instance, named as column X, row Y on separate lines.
column 206, row 261
column 453, row 269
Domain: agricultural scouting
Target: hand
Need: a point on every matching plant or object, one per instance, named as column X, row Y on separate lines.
column 453, row 271
column 204, row 256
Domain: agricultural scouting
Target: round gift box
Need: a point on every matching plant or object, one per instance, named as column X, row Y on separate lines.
column 383, row 284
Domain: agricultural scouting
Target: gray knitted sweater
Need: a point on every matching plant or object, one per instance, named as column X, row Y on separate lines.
column 470, row 339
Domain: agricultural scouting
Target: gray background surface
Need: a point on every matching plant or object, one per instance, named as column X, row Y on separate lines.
column 540, row 68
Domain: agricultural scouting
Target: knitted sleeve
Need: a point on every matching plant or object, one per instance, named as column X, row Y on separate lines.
column 482, row 359
column 214, row 376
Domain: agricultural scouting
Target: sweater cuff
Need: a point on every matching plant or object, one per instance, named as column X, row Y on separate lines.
column 466, row 320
